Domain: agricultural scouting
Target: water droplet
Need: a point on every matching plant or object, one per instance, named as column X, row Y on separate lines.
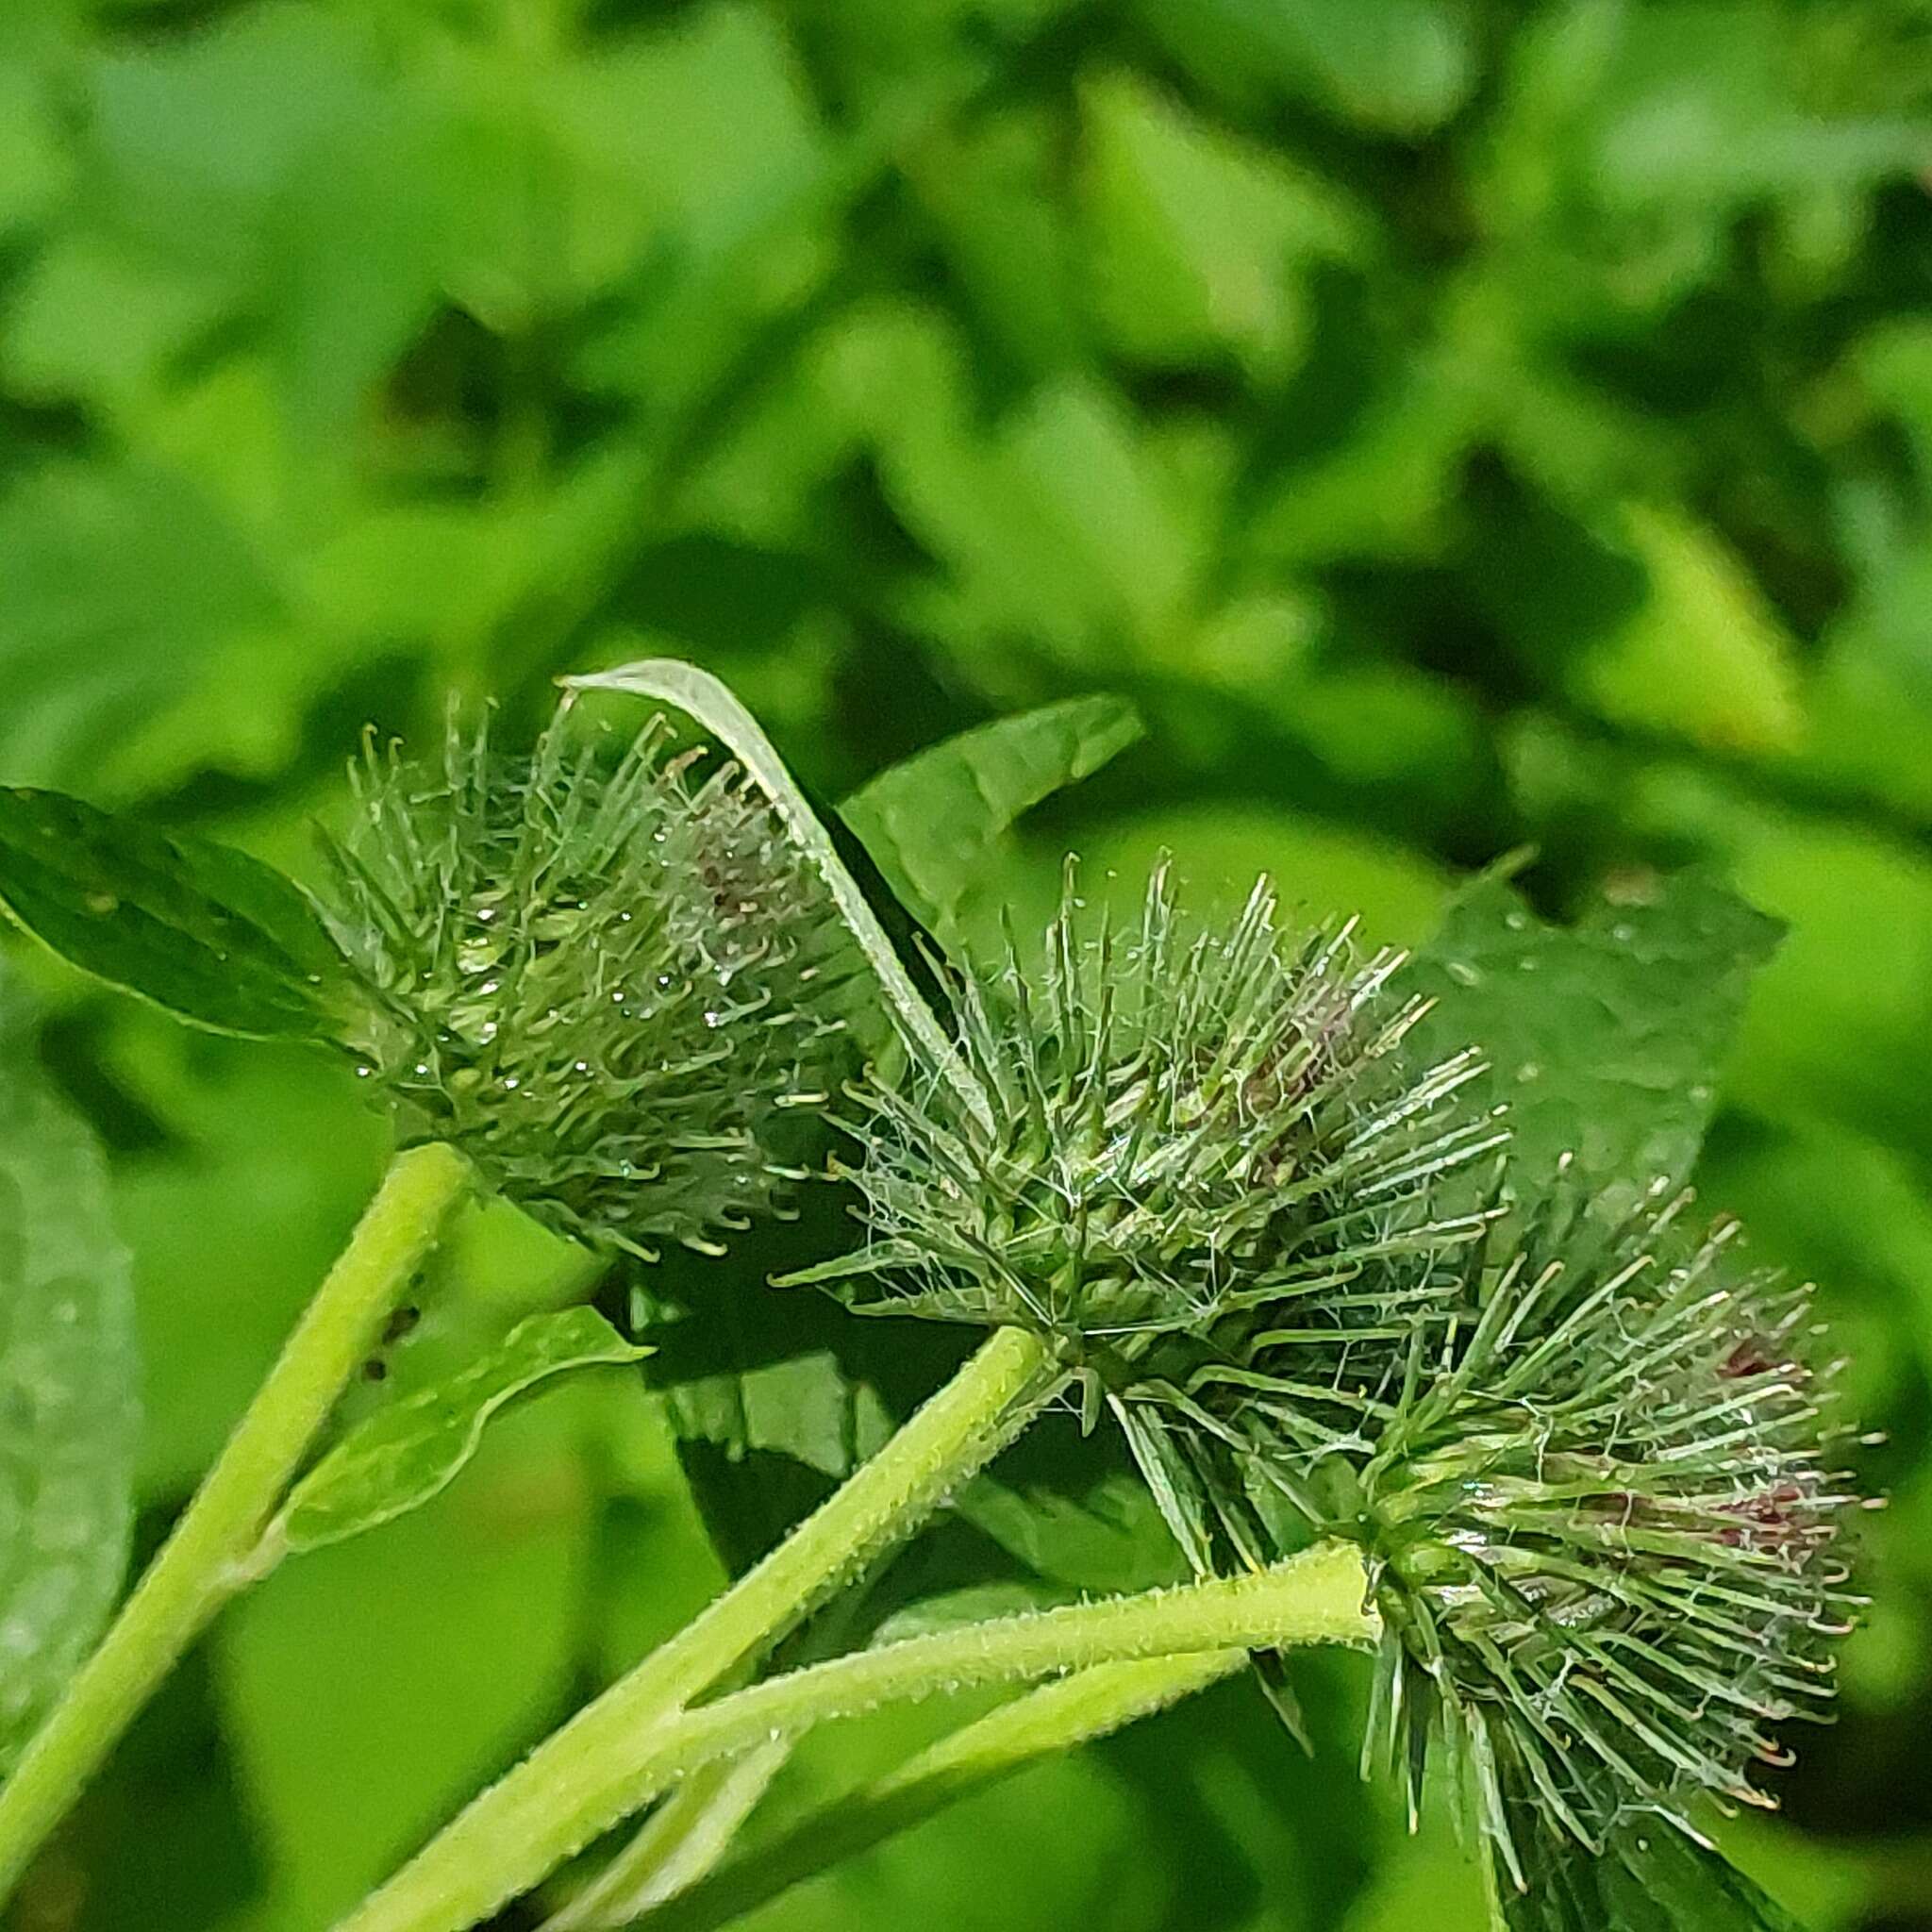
column 1529, row 1070
column 365, row 1072
column 102, row 904
column 1463, row 973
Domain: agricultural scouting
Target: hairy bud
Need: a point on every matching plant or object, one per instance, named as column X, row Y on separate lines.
column 600, row 970
column 1180, row 1124
column 1599, row 1523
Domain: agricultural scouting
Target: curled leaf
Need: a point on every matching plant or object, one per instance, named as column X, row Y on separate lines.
column 711, row 704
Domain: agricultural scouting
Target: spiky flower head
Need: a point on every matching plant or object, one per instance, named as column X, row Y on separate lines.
column 1176, row 1123
column 1598, row 1520
column 600, row 970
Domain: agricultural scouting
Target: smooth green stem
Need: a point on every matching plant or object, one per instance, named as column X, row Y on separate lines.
column 518, row 1833
column 205, row 1559
column 1057, row 1717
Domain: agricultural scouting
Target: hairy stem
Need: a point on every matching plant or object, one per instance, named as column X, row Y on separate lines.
column 516, row 1833
column 1001, row 1389
column 683, row 1839
column 1072, row 1711
column 204, row 1561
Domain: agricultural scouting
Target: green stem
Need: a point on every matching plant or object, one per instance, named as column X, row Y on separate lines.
column 683, row 1838
column 524, row 1827
column 1002, row 1388
column 204, row 1561
column 1057, row 1717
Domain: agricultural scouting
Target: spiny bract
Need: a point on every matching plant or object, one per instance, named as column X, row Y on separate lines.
column 1598, row 1522
column 599, row 970
column 1177, row 1126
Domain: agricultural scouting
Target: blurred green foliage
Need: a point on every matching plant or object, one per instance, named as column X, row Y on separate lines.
column 1457, row 424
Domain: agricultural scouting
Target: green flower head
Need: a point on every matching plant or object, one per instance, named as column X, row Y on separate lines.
column 600, row 970
column 1180, row 1124
column 1599, row 1523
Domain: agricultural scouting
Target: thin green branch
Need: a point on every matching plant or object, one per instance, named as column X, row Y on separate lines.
column 1057, row 1717
column 512, row 1837
column 679, row 1845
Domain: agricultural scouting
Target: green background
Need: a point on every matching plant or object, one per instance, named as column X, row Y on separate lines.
column 1460, row 427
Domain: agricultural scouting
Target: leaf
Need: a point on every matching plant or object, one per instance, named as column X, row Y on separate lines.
column 1650, row 1878
column 370, row 1689
column 1400, row 67
column 1105, row 1534
column 67, row 1391
column 125, row 583
column 206, row 931
column 1704, row 653
column 1196, row 235
column 1604, row 1039
column 931, row 820
column 803, row 1407
column 405, row 1455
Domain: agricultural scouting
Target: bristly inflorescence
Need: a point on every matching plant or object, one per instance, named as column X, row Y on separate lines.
column 1599, row 1522
column 600, row 970
column 1182, row 1123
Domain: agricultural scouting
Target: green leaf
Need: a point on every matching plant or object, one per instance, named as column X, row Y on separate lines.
column 803, row 1407
column 1106, row 1535
column 1703, row 655
column 405, row 1455
column 1400, row 67
column 126, row 584
column 206, row 931
column 67, row 1391
column 370, row 1689
column 1650, row 1879
column 1196, row 235
column 931, row 822
column 1604, row 1039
